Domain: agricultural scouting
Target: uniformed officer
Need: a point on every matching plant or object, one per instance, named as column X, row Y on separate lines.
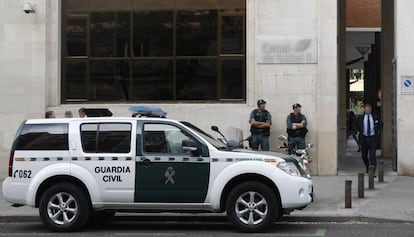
column 260, row 122
column 296, row 128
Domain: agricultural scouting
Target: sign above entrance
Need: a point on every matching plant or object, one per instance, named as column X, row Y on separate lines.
column 286, row 50
column 407, row 85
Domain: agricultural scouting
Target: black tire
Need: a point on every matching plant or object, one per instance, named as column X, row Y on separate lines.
column 64, row 200
column 243, row 209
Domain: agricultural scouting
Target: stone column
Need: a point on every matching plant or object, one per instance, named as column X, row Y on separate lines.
column 327, row 95
column 404, row 52
column 387, row 48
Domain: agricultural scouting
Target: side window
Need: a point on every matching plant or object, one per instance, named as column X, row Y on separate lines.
column 164, row 138
column 106, row 137
column 114, row 138
column 89, row 136
column 43, row 137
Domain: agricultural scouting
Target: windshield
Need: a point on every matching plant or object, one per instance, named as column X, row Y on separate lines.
column 216, row 143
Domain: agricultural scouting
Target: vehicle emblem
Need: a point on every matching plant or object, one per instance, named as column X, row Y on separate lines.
column 169, row 174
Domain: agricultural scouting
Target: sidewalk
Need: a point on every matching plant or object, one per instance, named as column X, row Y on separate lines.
column 391, row 200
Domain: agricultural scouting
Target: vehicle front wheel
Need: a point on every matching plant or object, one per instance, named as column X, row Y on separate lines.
column 252, row 207
column 64, row 207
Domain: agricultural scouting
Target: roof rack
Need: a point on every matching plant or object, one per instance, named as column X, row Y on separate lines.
column 147, row 111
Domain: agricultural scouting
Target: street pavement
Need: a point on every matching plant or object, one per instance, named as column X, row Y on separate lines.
column 388, row 202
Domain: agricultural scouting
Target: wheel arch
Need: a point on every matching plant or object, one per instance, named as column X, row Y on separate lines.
column 248, row 177
column 60, row 179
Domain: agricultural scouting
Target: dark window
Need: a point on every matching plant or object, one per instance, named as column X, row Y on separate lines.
column 153, row 33
column 196, row 79
column 232, row 35
column 110, row 34
column 232, row 79
column 106, row 138
column 152, row 80
column 43, row 137
column 169, row 51
column 76, row 33
column 76, row 80
column 109, row 80
column 197, row 33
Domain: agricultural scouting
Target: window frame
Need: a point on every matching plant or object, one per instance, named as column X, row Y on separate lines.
column 97, row 137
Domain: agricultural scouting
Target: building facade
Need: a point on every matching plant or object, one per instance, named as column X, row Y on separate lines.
column 205, row 61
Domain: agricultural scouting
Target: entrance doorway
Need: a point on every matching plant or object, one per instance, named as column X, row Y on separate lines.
column 365, row 66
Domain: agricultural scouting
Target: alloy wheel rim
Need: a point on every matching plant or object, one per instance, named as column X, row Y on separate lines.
column 251, row 208
column 62, row 208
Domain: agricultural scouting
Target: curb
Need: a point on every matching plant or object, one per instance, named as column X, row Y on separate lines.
column 212, row 218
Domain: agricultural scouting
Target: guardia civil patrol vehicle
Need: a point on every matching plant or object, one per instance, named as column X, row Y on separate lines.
column 72, row 169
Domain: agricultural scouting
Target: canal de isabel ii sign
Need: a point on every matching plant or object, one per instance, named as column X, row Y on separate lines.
column 286, row 50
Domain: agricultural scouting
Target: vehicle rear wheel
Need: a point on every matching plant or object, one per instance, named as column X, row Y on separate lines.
column 252, row 207
column 64, row 207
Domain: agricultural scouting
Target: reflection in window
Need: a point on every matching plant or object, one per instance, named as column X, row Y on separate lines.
column 152, row 80
column 232, row 35
column 110, row 34
column 43, row 137
column 76, row 35
column 164, row 138
column 75, row 80
column 109, row 80
column 197, row 33
column 232, row 79
column 106, row 138
column 88, row 137
column 196, row 79
column 153, row 33
column 114, row 138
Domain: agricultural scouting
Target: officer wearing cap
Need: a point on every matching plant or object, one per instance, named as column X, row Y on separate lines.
column 260, row 122
column 296, row 128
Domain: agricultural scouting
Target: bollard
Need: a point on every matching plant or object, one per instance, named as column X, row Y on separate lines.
column 371, row 177
column 381, row 171
column 361, row 185
column 348, row 193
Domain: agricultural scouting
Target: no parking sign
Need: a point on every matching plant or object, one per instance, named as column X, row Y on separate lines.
column 407, row 85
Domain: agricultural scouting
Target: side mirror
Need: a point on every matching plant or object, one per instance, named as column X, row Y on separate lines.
column 215, row 128
column 282, row 138
column 189, row 145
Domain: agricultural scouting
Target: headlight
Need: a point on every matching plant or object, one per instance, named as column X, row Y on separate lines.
column 289, row 168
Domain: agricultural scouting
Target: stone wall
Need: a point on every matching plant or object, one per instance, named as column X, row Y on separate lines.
column 405, row 57
column 23, row 66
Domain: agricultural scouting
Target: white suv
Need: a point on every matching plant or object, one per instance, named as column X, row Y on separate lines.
column 73, row 168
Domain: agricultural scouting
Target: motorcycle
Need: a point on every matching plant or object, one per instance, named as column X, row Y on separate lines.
column 301, row 155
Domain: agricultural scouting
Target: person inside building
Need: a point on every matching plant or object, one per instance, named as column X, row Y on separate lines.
column 369, row 127
column 50, row 114
column 82, row 113
column 296, row 128
column 350, row 120
column 260, row 122
column 68, row 114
